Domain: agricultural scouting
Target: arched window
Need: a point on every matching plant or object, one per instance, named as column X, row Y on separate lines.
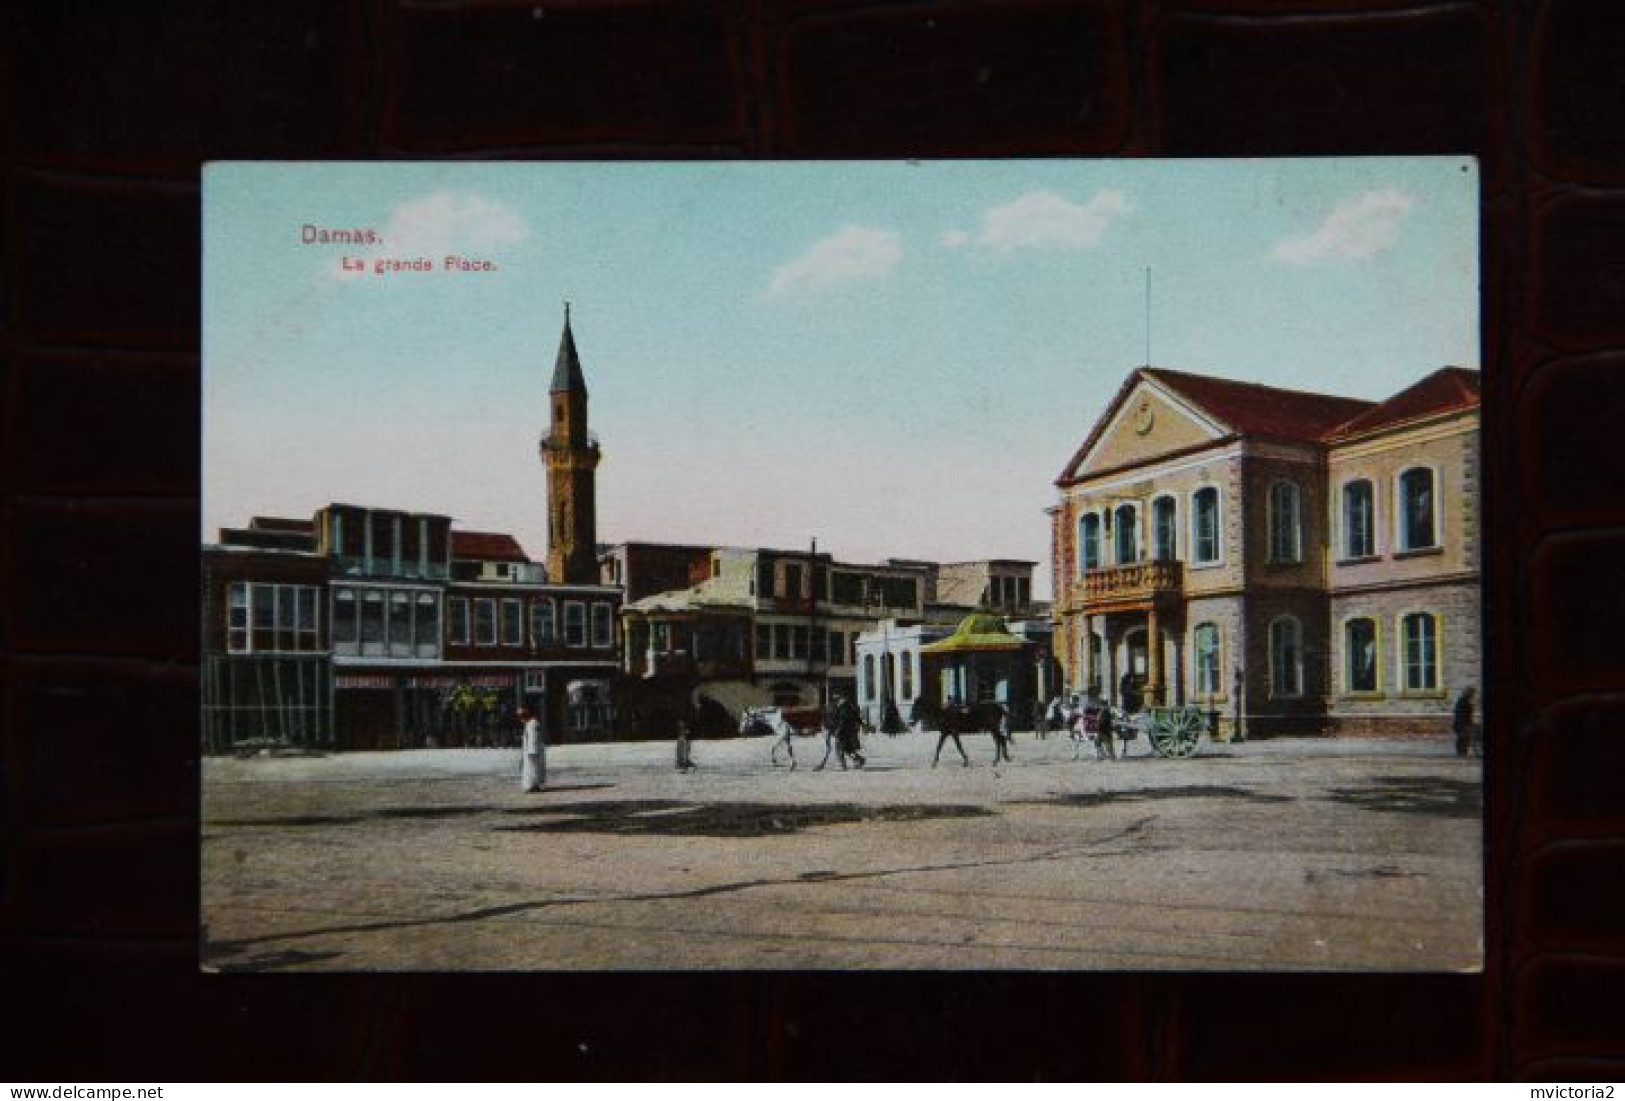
column 1126, row 547
column 1286, row 657
column 1164, row 518
column 1418, row 526
column 1206, row 645
column 1419, row 642
column 1360, row 655
column 1359, row 520
column 1089, row 542
column 1286, row 523
column 868, row 676
column 1205, row 526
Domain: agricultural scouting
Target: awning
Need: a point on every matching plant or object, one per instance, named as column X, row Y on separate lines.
column 978, row 633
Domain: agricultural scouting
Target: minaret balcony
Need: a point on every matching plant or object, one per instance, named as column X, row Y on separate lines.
column 562, row 441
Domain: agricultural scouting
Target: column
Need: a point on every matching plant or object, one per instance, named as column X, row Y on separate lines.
column 1086, row 652
column 1153, row 659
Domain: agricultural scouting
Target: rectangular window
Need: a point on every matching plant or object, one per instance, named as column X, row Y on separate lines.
column 383, row 543
column 346, row 622
column 1416, row 508
column 1163, row 526
column 400, row 625
column 1089, row 542
column 603, row 628
column 485, row 621
column 542, row 627
column 764, row 641
column 1421, row 641
column 837, row 648
column 799, row 646
column 1207, row 660
column 305, row 616
column 846, row 588
column 237, row 618
column 820, row 646
column 1285, row 544
column 513, row 623
column 457, row 612
column 575, row 623
column 372, row 623
column 1359, row 521
column 898, row 592
column 781, row 641
column 1205, row 526
column 1286, row 658
column 792, row 581
column 1360, row 640
column 426, row 625
column 262, row 606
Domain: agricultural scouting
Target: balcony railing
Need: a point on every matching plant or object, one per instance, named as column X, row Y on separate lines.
column 1139, row 581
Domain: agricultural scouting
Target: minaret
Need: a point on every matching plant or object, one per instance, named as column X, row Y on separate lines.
column 571, row 455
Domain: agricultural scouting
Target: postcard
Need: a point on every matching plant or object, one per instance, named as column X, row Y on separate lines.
column 1049, row 565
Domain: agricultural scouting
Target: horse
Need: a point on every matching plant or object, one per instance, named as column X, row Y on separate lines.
column 1110, row 738
column 787, row 724
column 955, row 719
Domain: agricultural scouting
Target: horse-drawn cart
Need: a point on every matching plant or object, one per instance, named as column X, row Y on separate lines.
column 1173, row 731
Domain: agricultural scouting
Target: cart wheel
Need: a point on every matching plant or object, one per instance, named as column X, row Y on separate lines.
column 1175, row 732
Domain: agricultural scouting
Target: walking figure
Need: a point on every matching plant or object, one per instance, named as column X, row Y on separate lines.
column 1462, row 722
column 533, row 770
column 685, row 747
column 845, row 720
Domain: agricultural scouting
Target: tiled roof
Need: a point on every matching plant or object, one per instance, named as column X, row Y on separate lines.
column 1444, row 391
column 486, row 546
column 1249, row 408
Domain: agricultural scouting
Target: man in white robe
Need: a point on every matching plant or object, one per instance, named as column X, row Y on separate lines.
column 533, row 774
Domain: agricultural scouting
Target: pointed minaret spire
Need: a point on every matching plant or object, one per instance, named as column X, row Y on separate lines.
column 567, row 377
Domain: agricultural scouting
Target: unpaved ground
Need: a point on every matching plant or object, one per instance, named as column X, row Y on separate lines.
column 1288, row 854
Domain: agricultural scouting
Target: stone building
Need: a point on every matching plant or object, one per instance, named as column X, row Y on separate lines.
column 760, row 625
column 1292, row 558
column 363, row 627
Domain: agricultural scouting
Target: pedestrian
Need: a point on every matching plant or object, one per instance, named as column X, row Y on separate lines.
column 842, row 734
column 1105, row 734
column 685, row 746
column 1054, row 715
column 1128, row 693
column 533, row 770
column 1462, row 722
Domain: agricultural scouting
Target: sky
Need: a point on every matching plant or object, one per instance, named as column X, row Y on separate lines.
column 894, row 358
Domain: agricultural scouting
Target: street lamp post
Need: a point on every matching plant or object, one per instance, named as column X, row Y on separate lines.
column 1239, row 734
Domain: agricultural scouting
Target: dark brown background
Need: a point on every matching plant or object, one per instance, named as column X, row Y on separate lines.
column 111, row 107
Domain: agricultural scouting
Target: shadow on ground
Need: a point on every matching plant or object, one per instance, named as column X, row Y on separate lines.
column 660, row 817
column 1439, row 798
column 1143, row 795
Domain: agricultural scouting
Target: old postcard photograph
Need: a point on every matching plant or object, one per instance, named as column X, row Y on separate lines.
column 1050, row 565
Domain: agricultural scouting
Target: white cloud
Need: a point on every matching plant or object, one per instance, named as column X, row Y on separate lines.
column 1358, row 228
column 1045, row 220
column 852, row 254
column 441, row 224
